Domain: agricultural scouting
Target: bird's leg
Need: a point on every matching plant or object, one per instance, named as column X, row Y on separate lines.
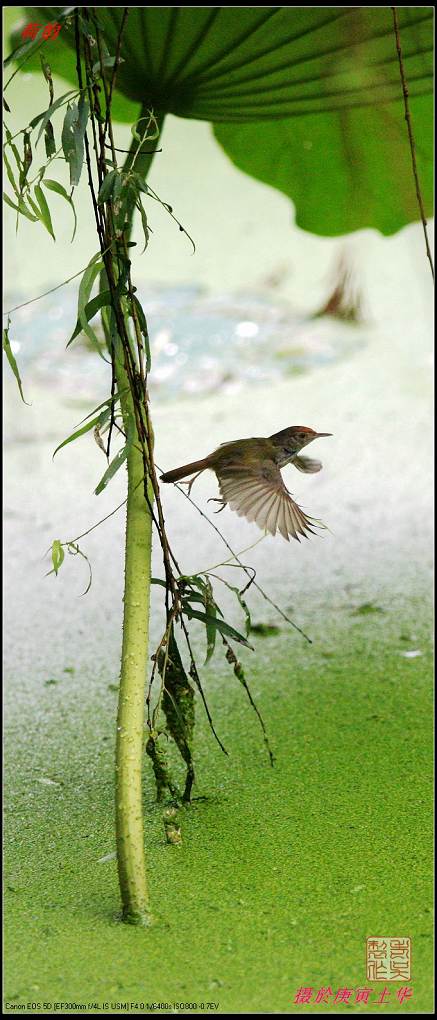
column 213, row 499
column 189, row 482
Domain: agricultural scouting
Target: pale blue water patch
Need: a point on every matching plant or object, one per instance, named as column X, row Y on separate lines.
column 199, row 343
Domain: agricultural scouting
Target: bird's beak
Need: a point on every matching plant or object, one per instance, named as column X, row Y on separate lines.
column 319, row 435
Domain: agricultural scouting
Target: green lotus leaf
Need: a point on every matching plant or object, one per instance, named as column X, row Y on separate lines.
column 306, row 99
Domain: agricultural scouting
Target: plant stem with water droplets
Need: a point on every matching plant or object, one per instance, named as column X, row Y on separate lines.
column 130, row 719
column 134, row 666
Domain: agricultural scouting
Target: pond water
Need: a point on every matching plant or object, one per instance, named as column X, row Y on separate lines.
column 200, row 343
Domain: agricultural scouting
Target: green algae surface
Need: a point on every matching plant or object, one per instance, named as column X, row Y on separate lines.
column 282, row 873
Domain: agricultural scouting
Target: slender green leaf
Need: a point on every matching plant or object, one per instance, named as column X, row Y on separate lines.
column 57, row 555
column 124, row 198
column 27, row 159
column 204, row 586
column 44, row 209
column 43, row 118
column 34, row 206
column 211, row 610
column 10, row 174
column 221, row 625
column 79, row 136
column 144, row 331
column 107, row 187
column 11, row 359
column 105, row 403
column 10, row 141
column 60, row 190
column 49, row 140
column 20, row 208
column 67, row 136
column 107, row 62
column 73, row 134
column 46, row 69
column 211, row 631
column 99, row 420
column 140, row 184
column 120, row 183
column 145, row 225
column 193, row 596
column 47, row 72
column 121, row 288
column 91, row 308
column 85, row 288
column 115, row 464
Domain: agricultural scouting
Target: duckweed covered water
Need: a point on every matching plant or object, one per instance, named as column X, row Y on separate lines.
column 282, row 873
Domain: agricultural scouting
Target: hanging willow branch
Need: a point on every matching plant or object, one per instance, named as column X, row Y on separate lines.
column 408, row 119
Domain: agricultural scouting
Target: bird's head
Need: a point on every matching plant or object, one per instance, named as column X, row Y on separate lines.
column 296, row 437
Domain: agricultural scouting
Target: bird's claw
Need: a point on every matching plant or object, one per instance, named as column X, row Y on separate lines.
column 214, row 499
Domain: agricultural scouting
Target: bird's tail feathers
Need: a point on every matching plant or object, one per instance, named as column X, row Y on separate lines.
column 182, row 472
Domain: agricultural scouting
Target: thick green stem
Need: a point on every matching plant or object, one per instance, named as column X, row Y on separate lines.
column 134, row 664
column 130, row 718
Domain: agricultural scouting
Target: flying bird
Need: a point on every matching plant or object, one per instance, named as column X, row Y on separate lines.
column 249, row 475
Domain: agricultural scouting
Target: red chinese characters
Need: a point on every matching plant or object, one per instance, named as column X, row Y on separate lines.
column 50, row 31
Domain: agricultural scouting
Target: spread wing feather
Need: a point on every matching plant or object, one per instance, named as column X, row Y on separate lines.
column 259, row 495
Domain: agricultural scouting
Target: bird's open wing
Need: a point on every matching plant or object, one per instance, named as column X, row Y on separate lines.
column 259, row 495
